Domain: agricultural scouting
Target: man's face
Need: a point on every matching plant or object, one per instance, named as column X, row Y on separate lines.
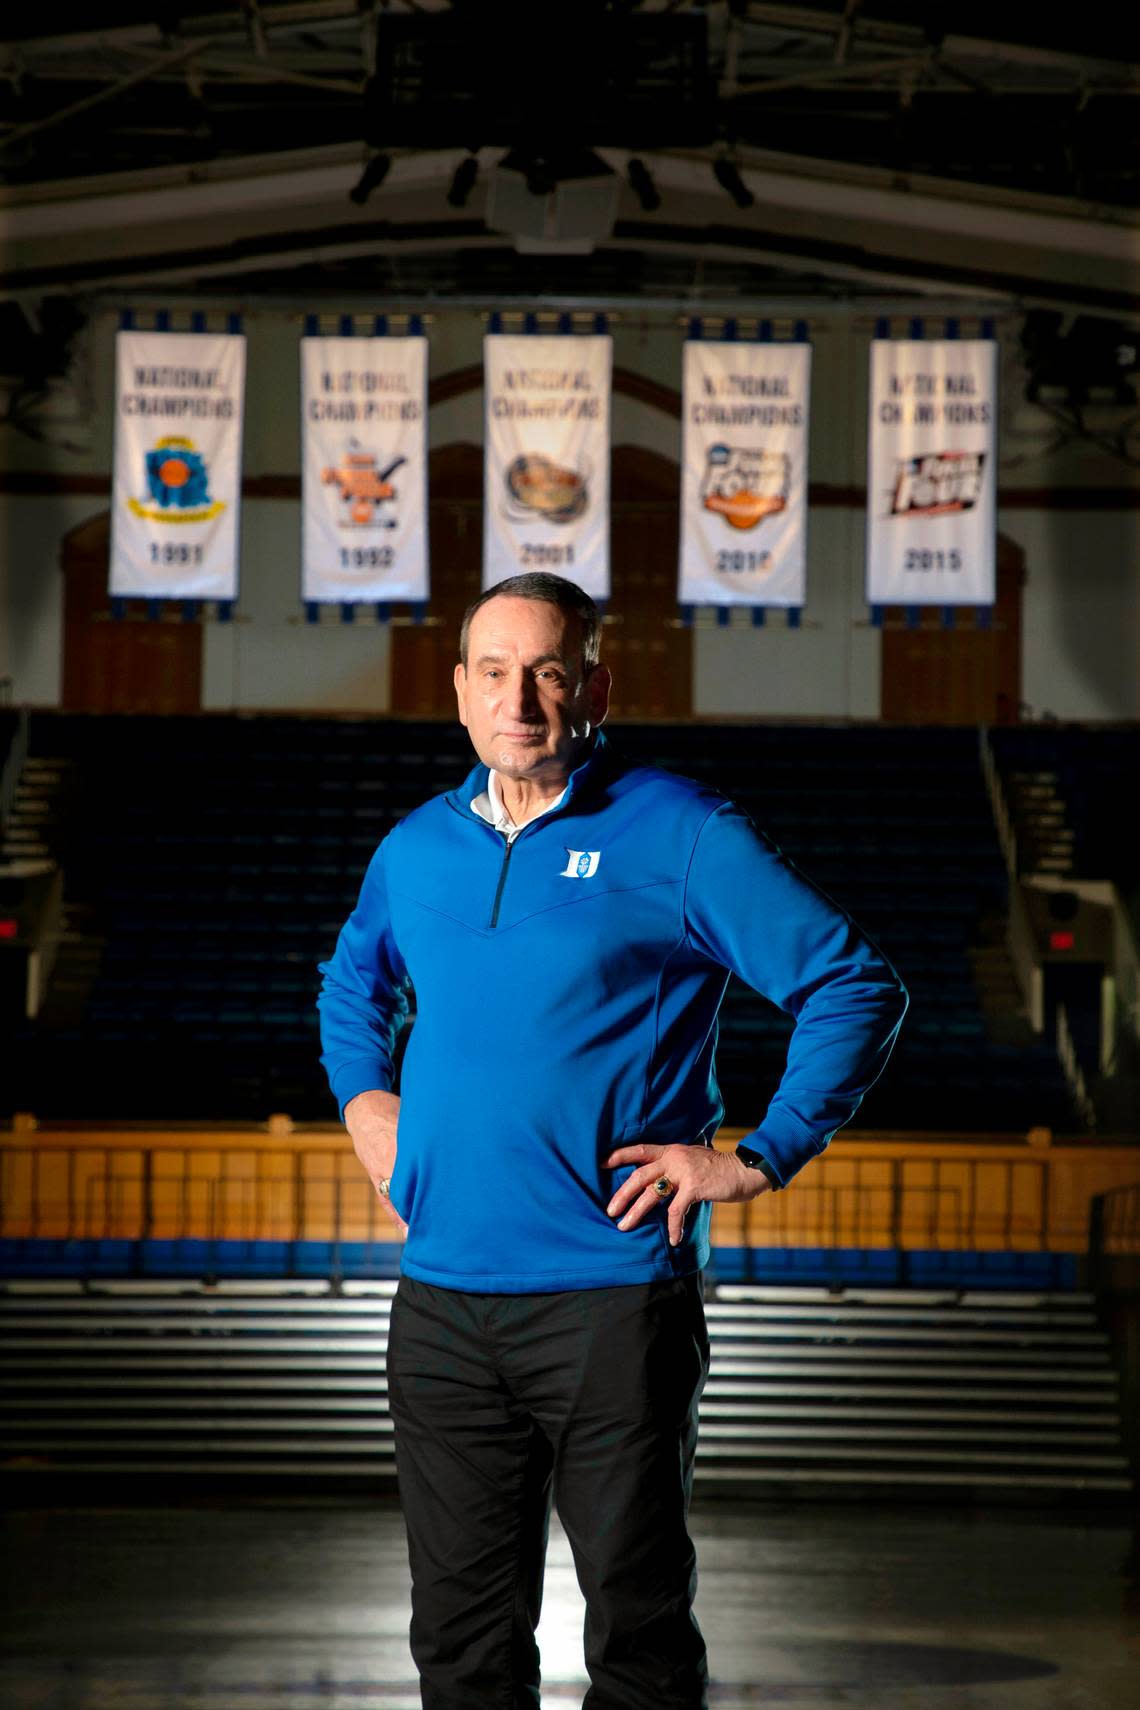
column 524, row 697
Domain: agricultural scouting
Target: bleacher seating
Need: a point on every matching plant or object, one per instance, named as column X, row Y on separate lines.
column 895, row 825
column 813, row 1392
column 216, row 857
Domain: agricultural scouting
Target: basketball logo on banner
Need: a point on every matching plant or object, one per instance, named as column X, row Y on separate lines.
column 931, row 479
column 364, row 475
column 744, row 473
column 177, row 466
column 178, row 481
column 547, row 470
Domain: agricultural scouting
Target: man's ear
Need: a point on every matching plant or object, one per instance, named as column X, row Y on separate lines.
column 598, row 686
column 460, row 680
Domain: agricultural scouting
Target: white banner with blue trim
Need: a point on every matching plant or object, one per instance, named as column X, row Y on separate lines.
column 364, row 534
column 547, row 457
column 744, row 473
column 932, row 472
column 177, row 470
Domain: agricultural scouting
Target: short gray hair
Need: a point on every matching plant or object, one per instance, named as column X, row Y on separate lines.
column 555, row 591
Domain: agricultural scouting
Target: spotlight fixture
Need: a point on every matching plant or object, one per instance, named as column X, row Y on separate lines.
column 463, row 181
column 540, row 171
column 374, row 174
column 728, row 177
column 559, row 195
column 642, row 185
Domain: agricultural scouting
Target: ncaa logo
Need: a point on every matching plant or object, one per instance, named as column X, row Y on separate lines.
column 583, row 864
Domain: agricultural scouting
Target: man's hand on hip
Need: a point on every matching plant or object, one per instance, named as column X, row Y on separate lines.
column 696, row 1173
column 371, row 1119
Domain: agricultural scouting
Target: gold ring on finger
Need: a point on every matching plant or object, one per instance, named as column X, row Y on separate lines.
column 663, row 1187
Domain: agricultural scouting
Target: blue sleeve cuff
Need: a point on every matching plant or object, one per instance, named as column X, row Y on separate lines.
column 363, row 1074
column 784, row 1144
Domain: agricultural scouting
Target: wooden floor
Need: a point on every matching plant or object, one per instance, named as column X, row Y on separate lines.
column 295, row 1605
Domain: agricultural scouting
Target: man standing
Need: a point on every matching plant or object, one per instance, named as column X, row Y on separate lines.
column 569, row 922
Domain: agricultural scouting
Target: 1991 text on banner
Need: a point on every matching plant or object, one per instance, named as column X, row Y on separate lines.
column 177, row 469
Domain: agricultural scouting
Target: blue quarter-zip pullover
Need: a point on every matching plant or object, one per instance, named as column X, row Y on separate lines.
column 567, row 989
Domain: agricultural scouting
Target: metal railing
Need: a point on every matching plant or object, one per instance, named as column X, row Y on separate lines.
column 1074, row 1074
column 1003, row 819
column 13, row 766
column 1020, row 936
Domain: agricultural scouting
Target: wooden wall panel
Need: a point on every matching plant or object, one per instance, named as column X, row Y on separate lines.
column 964, row 675
column 135, row 665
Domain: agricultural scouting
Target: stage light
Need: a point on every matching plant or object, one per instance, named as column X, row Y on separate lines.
column 463, row 182
column 370, row 179
column 642, row 185
column 728, row 177
column 553, row 196
column 540, row 172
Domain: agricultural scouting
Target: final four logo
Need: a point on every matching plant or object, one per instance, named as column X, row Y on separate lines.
column 177, row 481
column 936, row 483
column 583, row 863
column 743, row 486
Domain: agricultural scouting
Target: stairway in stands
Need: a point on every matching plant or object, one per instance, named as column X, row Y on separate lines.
column 887, row 1392
column 1041, row 824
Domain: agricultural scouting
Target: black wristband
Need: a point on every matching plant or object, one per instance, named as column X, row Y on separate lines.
column 757, row 1161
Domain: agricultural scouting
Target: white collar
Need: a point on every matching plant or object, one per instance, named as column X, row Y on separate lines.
column 489, row 806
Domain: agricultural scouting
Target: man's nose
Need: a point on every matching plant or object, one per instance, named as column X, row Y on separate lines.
column 521, row 696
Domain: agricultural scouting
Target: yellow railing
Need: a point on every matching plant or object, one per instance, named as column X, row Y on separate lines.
column 292, row 1185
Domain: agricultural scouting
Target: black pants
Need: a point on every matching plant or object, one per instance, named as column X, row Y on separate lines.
column 501, row 1401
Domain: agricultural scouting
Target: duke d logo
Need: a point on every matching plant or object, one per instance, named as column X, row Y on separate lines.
column 582, row 863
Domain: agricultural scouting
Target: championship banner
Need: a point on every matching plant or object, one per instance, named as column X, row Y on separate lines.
column 547, row 465
column 744, row 473
column 932, row 472
column 177, row 477
column 364, row 469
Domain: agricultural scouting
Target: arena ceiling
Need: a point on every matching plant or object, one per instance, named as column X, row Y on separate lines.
column 491, row 151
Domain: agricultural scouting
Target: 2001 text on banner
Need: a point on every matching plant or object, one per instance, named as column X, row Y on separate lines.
column 547, row 459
